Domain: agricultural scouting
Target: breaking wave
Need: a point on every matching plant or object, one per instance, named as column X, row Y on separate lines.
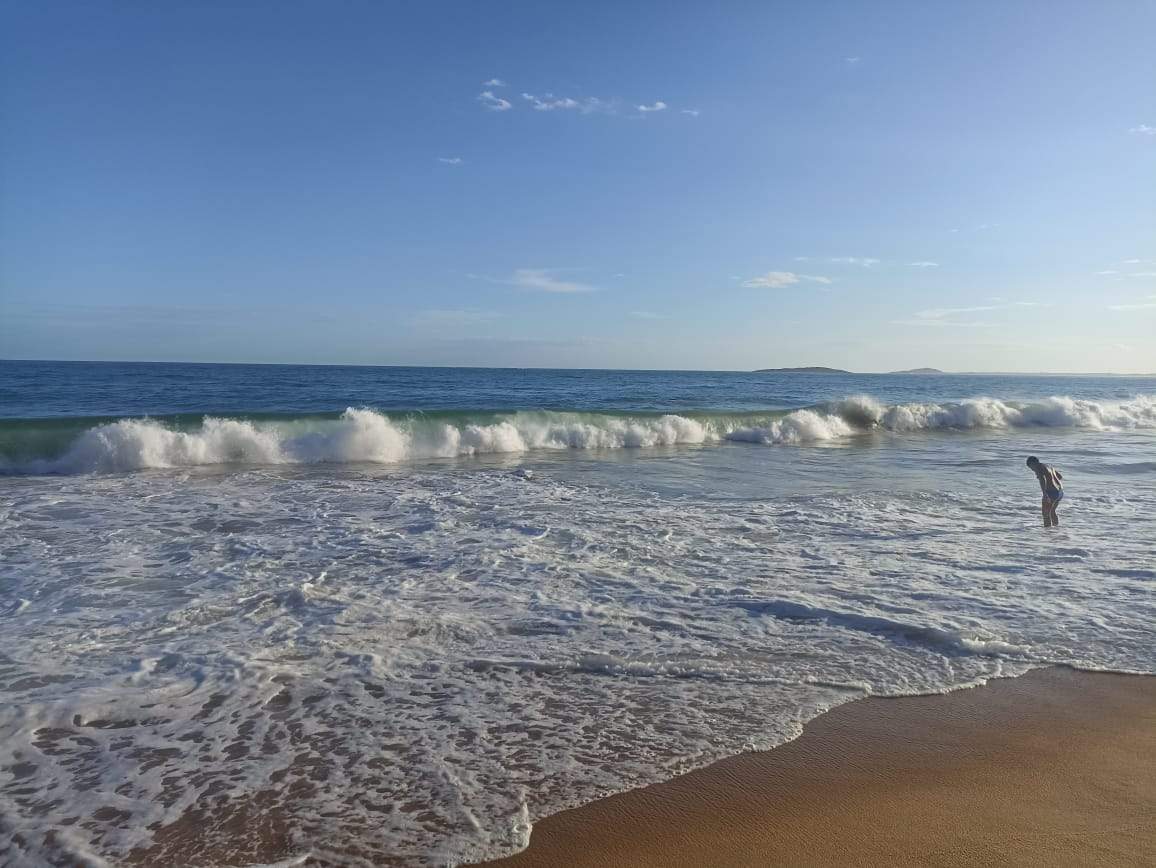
column 366, row 435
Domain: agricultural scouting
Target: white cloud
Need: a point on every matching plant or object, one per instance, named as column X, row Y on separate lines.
column 548, row 102
column 781, row 279
column 864, row 261
column 1143, row 274
column 451, row 161
column 852, row 60
column 1143, row 130
column 1108, row 271
column 923, row 264
column 543, row 280
column 494, row 103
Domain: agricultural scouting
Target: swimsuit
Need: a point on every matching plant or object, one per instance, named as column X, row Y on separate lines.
column 1047, row 476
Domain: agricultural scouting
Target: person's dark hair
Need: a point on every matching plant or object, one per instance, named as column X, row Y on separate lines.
column 1032, row 460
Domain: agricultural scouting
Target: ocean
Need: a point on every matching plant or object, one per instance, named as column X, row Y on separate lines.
column 402, row 613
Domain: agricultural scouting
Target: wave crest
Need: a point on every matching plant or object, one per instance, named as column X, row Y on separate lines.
column 365, row 435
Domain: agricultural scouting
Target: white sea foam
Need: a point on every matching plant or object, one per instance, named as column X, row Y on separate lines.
column 363, row 435
column 416, row 663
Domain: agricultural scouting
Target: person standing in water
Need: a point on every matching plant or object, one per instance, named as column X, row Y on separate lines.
column 1052, row 485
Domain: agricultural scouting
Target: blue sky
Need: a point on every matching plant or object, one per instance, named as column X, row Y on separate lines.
column 969, row 186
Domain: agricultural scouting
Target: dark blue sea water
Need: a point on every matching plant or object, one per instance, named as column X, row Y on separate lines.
column 101, row 389
column 76, row 417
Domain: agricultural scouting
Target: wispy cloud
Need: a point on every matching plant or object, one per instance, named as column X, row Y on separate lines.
column 781, row 279
column 548, row 102
column 451, row 161
column 593, row 104
column 923, row 264
column 543, row 280
column 455, row 318
column 863, row 261
column 494, row 103
column 1143, row 130
column 1119, row 274
column 551, row 102
column 646, row 314
column 1147, row 304
column 945, row 312
column 945, row 317
column 852, row 60
column 943, row 323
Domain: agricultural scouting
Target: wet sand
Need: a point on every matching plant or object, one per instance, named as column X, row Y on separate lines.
column 1055, row 768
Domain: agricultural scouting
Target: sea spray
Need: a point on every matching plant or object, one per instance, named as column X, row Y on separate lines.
column 367, row 435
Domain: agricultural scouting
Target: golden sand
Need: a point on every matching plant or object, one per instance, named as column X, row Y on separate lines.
column 1055, row 768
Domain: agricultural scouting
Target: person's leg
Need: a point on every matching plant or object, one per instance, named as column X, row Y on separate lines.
column 1055, row 518
column 1047, row 510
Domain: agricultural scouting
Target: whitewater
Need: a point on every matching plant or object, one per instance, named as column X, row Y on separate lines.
column 409, row 629
column 365, row 435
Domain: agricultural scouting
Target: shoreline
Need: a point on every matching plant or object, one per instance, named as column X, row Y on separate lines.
column 1057, row 766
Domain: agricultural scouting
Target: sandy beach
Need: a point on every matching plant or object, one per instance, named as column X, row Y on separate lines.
column 577, row 434
column 1055, row 768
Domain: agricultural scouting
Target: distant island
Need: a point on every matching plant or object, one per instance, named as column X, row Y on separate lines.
column 821, row 370
column 816, row 370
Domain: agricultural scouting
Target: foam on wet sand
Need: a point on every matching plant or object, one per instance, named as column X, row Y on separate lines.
column 1057, row 767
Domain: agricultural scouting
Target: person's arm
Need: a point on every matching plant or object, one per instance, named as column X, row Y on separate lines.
column 1059, row 475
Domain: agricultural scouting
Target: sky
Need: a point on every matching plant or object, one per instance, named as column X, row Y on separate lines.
column 872, row 186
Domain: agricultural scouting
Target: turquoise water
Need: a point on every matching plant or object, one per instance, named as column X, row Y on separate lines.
column 404, row 613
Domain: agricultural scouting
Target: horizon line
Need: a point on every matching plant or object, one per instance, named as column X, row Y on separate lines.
column 625, row 370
